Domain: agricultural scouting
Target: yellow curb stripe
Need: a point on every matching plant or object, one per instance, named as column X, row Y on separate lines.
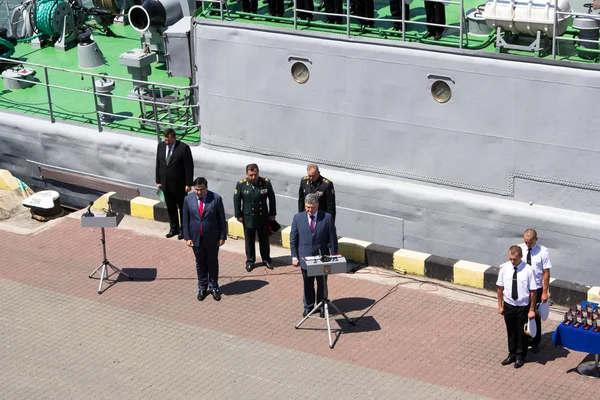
column 236, row 229
column 142, row 207
column 7, row 181
column 469, row 273
column 101, row 202
column 593, row 294
column 412, row 262
column 353, row 249
column 285, row 237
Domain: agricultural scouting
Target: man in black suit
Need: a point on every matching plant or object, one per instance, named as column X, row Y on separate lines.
column 205, row 230
column 435, row 13
column 396, row 11
column 174, row 175
column 313, row 231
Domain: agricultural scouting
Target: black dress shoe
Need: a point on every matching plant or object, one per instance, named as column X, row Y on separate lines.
column 427, row 35
column 306, row 312
column 171, row 234
column 249, row 266
column 269, row 264
column 216, row 294
column 201, row 295
column 519, row 363
column 509, row 360
column 180, row 236
column 438, row 36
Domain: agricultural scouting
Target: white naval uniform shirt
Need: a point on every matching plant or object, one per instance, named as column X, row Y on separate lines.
column 540, row 260
column 525, row 282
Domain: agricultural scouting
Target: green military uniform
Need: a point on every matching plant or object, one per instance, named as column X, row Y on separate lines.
column 250, row 202
column 323, row 188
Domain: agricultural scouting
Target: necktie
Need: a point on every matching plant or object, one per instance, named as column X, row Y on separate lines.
column 200, row 211
column 529, row 256
column 313, row 224
column 515, row 289
column 169, row 154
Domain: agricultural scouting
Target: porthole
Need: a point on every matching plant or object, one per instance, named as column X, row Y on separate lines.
column 441, row 91
column 300, row 72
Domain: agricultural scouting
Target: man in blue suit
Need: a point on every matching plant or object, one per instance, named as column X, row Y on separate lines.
column 313, row 232
column 205, row 230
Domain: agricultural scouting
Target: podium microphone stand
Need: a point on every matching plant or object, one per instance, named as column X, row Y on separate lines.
column 110, row 220
column 323, row 266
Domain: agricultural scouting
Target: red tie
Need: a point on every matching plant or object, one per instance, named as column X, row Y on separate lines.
column 200, row 211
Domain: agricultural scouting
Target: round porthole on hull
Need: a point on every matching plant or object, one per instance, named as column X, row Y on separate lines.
column 441, row 91
column 300, row 72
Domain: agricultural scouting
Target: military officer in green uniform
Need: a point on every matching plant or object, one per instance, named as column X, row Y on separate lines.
column 315, row 183
column 251, row 209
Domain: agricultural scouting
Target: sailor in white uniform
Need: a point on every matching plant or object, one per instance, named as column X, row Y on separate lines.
column 516, row 299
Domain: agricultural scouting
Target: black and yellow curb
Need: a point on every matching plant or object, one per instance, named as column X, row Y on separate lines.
column 452, row 270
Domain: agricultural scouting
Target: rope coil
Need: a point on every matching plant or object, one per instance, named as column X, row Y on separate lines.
column 44, row 12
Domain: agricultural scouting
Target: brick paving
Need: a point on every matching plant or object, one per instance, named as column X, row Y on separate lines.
column 153, row 339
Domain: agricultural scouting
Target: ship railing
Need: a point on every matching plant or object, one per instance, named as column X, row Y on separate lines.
column 180, row 112
column 224, row 13
column 556, row 38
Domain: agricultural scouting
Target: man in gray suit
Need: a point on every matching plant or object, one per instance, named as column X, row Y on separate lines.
column 313, row 231
column 205, row 230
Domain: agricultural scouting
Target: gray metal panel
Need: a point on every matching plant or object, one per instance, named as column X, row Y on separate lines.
column 177, row 48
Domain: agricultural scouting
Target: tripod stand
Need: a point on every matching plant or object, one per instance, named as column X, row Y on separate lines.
column 104, row 265
column 325, row 303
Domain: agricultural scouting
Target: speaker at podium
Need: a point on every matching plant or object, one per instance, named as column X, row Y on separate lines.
column 323, row 266
column 110, row 219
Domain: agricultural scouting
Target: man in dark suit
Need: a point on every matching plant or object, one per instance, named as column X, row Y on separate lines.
column 250, row 206
column 204, row 230
column 313, row 231
column 174, row 175
column 314, row 182
column 435, row 13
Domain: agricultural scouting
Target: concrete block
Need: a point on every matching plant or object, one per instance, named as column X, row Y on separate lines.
column 7, row 181
column 235, row 227
column 411, row 261
column 469, row 273
column 142, row 207
column 285, row 237
column 353, row 249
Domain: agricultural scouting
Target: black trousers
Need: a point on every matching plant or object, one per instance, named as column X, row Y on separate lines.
column 207, row 266
column 538, row 320
column 309, row 289
column 305, row 5
column 435, row 14
column 174, row 202
column 335, row 7
column 515, row 318
column 276, row 8
column 250, row 6
column 396, row 11
column 365, row 8
column 263, row 244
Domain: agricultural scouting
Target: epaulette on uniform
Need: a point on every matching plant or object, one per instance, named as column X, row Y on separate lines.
column 266, row 179
column 325, row 180
column 305, row 178
column 243, row 180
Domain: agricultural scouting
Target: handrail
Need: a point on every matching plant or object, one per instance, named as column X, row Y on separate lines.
column 182, row 111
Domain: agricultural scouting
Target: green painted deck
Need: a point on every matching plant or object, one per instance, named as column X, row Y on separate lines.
column 383, row 27
column 80, row 107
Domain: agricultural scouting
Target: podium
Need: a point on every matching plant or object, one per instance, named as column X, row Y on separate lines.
column 89, row 220
column 323, row 266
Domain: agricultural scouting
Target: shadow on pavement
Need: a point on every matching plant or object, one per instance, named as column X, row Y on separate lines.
column 138, row 274
column 350, row 304
column 365, row 324
column 242, row 286
column 281, row 261
column 547, row 351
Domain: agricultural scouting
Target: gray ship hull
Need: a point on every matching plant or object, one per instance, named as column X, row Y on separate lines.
column 515, row 146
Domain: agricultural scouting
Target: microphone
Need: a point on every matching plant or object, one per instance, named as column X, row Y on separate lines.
column 89, row 212
column 110, row 212
column 324, row 258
